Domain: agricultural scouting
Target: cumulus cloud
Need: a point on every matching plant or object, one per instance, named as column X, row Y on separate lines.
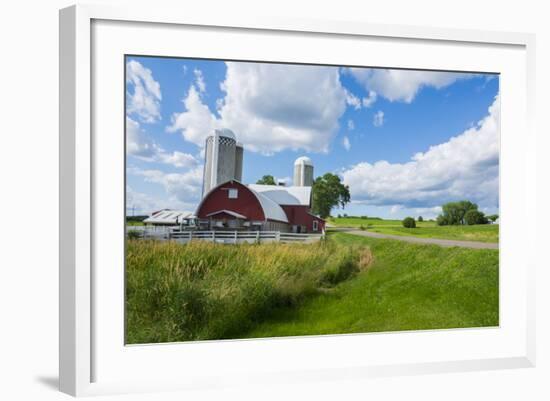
column 351, row 125
column 199, row 80
column 353, row 100
column 139, row 145
column 271, row 107
column 137, row 142
column 196, row 122
column 370, row 99
column 144, row 95
column 378, row 118
column 184, row 187
column 345, row 143
column 465, row 167
column 403, row 85
column 139, row 203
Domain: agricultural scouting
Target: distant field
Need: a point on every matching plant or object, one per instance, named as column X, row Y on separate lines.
column 407, row 287
column 425, row 229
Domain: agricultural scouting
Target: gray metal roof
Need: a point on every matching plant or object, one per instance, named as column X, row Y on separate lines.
column 282, row 195
column 168, row 216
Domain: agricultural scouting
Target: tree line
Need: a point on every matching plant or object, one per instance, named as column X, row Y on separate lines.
column 463, row 213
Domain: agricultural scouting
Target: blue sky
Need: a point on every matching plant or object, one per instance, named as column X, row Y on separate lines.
column 405, row 141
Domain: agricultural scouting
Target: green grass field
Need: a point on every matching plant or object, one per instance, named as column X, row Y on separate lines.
column 408, row 287
column 347, row 284
column 203, row 291
column 425, row 229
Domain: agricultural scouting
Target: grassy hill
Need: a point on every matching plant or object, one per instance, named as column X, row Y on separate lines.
column 407, row 287
column 425, row 229
column 347, row 284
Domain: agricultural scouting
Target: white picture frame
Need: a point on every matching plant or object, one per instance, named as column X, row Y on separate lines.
column 82, row 343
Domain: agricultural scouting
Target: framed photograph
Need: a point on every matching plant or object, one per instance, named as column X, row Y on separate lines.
column 274, row 200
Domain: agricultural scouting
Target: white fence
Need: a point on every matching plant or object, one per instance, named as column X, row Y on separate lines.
column 229, row 237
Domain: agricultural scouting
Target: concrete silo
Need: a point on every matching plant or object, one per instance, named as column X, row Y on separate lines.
column 303, row 172
column 239, row 152
column 220, row 159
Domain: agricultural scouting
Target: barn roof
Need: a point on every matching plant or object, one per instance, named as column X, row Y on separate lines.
column 167, row 216
column 292, row 195
column 229, row 212
column 272, row 210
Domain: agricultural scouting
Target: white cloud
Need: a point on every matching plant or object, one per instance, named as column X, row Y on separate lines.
column 378, row 118
column 351, row 125
column 177, row 159
column 403, row 85
column 395, row 209
column 139, row 203
column 184, row 187
column 353, row 100
column 138, row 144
column 345, row 143
column 144, row 100
column 270, row 107
column 369, row 100
column 196, row 122
column 465, row 167
column 199, row 80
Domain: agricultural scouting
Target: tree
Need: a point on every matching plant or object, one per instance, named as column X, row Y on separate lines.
column 453, row 212
column 420, row 218
column 493, row 217
column 266, row 180
column 475, row 217
column 328, row 192
column 408, row 222
column 442, row 220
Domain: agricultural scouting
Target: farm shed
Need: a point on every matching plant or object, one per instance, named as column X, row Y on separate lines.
column 168, row 217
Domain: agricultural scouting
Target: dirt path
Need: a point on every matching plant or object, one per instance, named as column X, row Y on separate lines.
column 419, row 240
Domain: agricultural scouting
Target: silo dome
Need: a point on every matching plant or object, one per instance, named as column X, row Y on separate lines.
column 303, row 160
column 225, row 132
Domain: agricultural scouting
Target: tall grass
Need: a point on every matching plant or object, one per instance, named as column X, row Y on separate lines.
column 201, row 290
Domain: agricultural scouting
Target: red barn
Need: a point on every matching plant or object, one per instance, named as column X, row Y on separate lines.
column 233, row 205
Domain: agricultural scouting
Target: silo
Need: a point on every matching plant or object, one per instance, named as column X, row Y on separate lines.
column 219, row 159
column 239, row 152
column 303, row 172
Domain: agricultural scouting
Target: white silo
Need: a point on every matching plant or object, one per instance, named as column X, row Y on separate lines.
column 303, row 172
column 219, row 159
column 239, row 152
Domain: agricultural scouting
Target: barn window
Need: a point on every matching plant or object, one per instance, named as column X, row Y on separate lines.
column 315, row 225
column 233, row 193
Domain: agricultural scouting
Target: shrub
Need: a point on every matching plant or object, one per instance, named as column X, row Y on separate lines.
column 362, row 227
column 420, row 218
column 408, row 222
column 475, row 217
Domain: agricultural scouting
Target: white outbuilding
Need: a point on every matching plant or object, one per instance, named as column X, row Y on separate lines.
column 168, row 217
